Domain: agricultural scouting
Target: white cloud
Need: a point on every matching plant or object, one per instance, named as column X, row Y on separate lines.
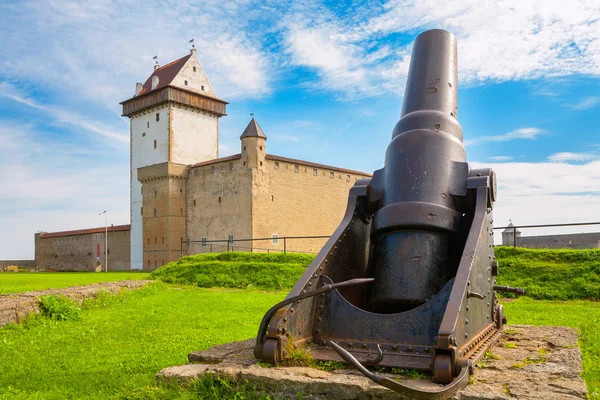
column 497, row 41
column 62, row 116
column 521, row 133
column 50, row 185
column 567, row 156
column 97, row 50
column 586, row 103
column 509, row 40
column 546, row 192
column 501, row 158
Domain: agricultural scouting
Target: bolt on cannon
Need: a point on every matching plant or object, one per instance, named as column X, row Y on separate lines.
column 407, row 280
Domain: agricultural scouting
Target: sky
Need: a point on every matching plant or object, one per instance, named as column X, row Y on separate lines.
column 325, row 80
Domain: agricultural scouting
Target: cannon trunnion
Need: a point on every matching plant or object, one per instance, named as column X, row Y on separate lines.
column 407, row 279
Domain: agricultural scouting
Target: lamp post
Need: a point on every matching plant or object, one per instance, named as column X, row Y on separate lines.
column 105, row 240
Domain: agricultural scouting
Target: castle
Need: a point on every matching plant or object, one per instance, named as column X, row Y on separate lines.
column 181, row 190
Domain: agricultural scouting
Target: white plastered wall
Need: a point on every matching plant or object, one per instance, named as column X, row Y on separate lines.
column 196, row 80
column 194, row 136
column 144, row 131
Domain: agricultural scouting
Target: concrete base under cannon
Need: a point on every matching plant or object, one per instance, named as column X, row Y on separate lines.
column 529, row 362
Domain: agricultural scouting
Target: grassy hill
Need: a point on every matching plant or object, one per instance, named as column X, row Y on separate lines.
column 236, row 270
column 545, row 274
column 551, row 274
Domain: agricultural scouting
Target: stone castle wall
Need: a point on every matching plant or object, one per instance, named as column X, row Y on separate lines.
column 19, row 263
column 218, row 203
column 566, row 241
column 297, row 199
column 82, row 252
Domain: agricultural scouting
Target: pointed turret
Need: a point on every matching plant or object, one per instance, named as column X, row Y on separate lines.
column 253, row 145
column 508, row 235
column 253, row 130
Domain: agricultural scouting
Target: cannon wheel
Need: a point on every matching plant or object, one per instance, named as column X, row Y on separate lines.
column 500, row 318
column 272, row 351
column 442, row 369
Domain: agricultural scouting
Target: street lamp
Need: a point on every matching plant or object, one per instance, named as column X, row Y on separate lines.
column 105, row 240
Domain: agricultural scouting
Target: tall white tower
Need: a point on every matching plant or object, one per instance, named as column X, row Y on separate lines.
column 174, row 118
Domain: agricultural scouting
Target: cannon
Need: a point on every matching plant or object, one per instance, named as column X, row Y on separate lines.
column 407, row 280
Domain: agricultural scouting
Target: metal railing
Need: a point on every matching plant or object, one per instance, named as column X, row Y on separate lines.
column 228, row 245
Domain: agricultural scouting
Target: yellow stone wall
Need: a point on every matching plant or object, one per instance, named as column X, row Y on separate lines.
column 78, row 252
column 249, row 196
column 163, row 212
column 295, row 199
column 218, row 204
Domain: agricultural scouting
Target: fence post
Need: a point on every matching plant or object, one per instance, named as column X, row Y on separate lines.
column 228, row 246
column 284, row 245
column 515, row 236
column 181, row 249
column 210, row 248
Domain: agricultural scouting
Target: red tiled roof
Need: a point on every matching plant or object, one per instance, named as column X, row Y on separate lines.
column 117, row 228
column 314, row 165
column 217, row 160
column 165, row 74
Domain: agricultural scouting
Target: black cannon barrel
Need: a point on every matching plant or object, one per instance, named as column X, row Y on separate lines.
column 425, row 168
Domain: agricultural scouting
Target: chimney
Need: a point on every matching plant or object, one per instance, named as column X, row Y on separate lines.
column 154, row 82
column 138, row 88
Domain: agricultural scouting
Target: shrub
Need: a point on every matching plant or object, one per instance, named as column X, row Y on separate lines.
column 59, row 308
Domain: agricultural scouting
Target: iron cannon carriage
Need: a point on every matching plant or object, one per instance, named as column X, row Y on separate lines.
column 408, row 278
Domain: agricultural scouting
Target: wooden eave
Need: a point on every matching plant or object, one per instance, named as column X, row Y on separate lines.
column 177, row 95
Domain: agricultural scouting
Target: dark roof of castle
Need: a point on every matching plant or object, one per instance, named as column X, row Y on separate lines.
column 165, row 74
column 314, row 165
column 217, row 160
column 115, row 228
column 253, row 130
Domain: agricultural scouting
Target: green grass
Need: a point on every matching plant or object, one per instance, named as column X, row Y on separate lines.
column 236, row 270
column 120, row 342
column 16, row 282
column 583, row 315
column 551, row 274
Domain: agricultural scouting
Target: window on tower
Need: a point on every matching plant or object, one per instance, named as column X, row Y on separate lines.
column 194, row 69
column 148, row 124
column 202, row 88
column 157, row 117
column 185, row 83
column 155, row 143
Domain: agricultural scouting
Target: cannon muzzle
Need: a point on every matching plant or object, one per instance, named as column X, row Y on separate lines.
column 424, row 170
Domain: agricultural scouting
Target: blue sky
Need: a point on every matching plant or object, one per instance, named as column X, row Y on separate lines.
column 325, row 80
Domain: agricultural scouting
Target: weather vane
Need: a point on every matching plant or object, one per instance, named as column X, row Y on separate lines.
column 192, row 42
column 155, row 58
